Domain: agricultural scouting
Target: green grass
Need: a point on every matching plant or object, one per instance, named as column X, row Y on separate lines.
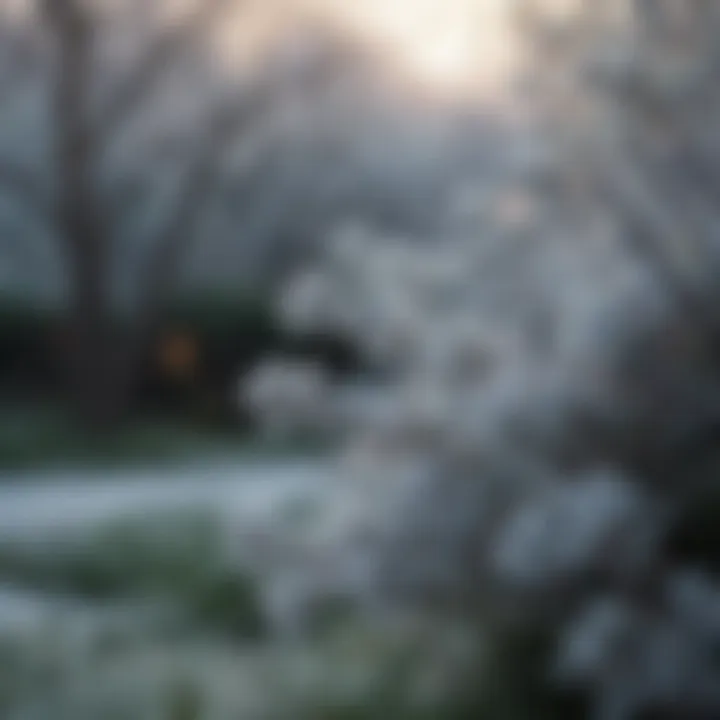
column 44, row 438
column 175, row 560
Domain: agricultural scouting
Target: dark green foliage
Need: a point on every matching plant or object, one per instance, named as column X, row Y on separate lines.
column 507, row 681
column 515, row 684
column 228, row 602
column 233, row 332
column 43, row 436
column 695, row 539
column 512, row 686
column 168, row 418
column 28, row 339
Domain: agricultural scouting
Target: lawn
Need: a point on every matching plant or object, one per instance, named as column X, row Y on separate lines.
column 33, row 437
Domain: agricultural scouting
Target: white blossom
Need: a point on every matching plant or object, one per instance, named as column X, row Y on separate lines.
column 538, row 382
column 287, row 397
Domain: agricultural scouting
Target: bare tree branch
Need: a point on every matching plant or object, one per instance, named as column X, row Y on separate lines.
column 79, row 222
column 128, row 190
column 197, row 191
column 103, row 371
column 162, row 53
column 231, row 120
column 161, row 270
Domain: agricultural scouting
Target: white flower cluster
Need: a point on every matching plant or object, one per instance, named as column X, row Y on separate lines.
column 535, row 384
column 288, row 398
column 483, row 461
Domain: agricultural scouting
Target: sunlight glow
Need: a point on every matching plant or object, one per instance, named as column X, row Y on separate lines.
column 455, row 45
column 452, row 46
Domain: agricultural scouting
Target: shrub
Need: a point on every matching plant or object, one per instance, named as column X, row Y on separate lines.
column 28, row 333
column 551, row 381
column 177, row 560
column 233, row 332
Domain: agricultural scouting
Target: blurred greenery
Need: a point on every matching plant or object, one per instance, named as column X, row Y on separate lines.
column 27, row 334
column 185, row 702
column 44, row 437
column 231, row 332
column 516, row 684
column 196, row 413
column 513, row 686
column 514, row 689
column 178, row 560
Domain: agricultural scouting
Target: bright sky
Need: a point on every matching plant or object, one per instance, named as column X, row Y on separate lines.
column 453, row 46
column 447, row 43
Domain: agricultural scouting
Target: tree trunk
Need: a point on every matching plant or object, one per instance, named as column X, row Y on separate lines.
column 92, row 359
column 104, row 367
column 80, row 224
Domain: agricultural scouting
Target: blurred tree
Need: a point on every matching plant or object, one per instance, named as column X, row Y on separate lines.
column 126, row 133
column 88, row 110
